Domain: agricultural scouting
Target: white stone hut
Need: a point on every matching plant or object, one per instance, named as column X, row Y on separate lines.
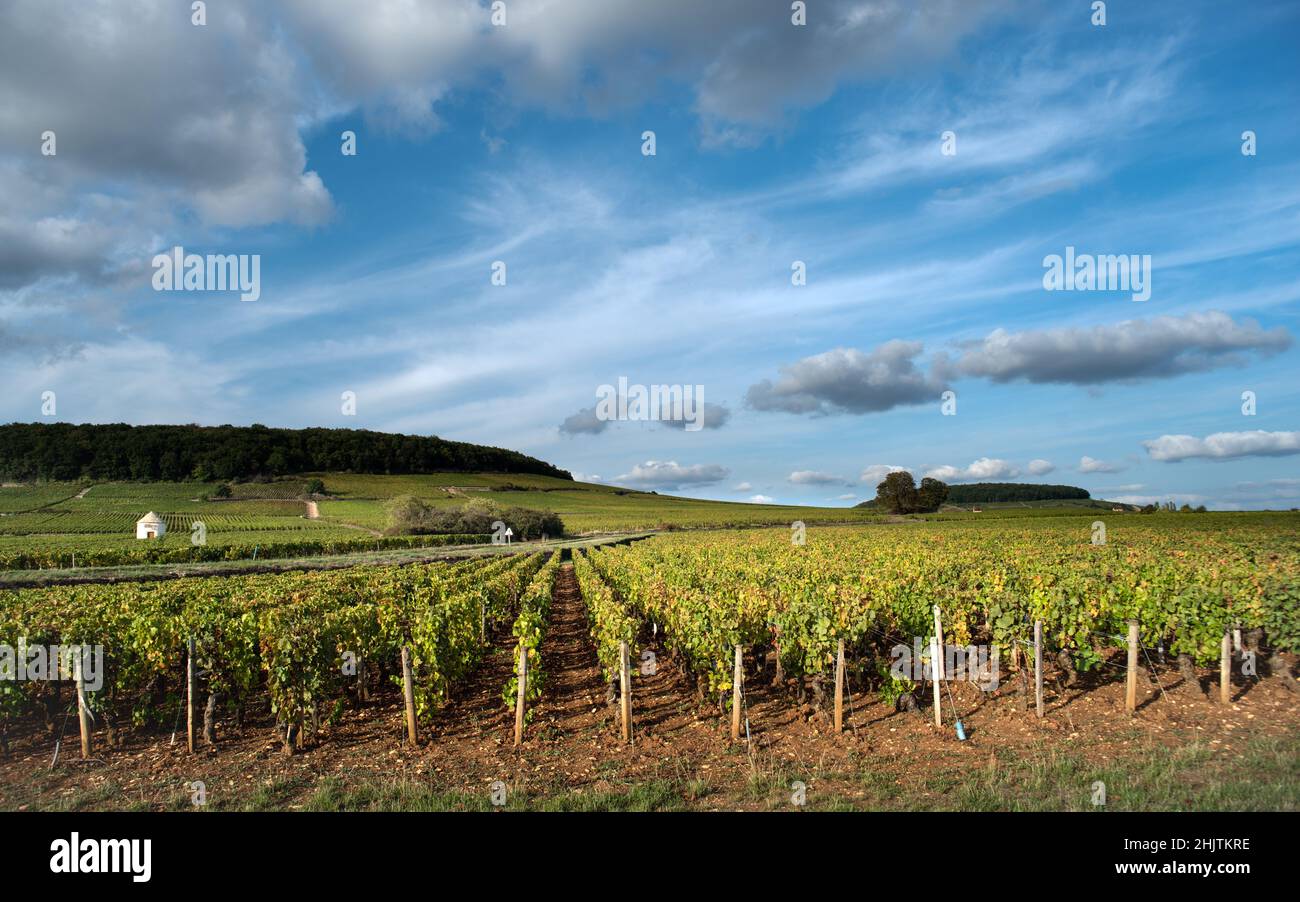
column 150, row 526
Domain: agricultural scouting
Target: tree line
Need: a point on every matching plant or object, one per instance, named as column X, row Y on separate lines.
column 977, row 492
column 117, row 451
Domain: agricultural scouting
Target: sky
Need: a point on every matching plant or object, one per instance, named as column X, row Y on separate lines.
column 917, row 160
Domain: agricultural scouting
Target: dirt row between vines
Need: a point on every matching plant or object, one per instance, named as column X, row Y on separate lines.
column 572, row 741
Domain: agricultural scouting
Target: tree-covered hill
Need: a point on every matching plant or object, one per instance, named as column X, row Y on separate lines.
column 990, row 492
column 979, row 492
column 116, row 451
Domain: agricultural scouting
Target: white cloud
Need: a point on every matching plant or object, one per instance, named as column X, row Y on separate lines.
column 1092, row 465
column 760, row 499
column 875, row 473
column 1040, row 467
column 846, row 380
column 742, row 487
column 1224, row 445
column 668, row 474
column 814, row 477
column 986, row 468
column 1157, row 348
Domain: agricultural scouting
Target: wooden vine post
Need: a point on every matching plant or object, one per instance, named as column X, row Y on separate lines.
column 408, row 692
column 839, row 687
column 1131, row 688
column 737, row 675
column 1038, row 664
column 1225, row 670
column 938, row 634
column 191, row 678
column 625, row 684
column 83, row 712
column 521, row 698
column 934, row 679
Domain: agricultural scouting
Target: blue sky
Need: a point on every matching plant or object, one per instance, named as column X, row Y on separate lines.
column 775, row 143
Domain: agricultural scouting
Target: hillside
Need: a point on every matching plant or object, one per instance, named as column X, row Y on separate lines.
column 116, row 451
column 44, row 524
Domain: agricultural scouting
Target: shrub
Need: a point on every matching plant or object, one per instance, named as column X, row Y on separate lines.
column 411, row 515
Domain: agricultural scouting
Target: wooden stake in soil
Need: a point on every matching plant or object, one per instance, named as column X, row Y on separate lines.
column 625, row 683
column 839, row 687
column 1038, row 664
column 523, row 693
column 934, row 674
column 737, row 675
column 938, row 634
column 1225, row 670
column 408, row 691
column 1131, row 689
column 190, row 680
column 83, row 712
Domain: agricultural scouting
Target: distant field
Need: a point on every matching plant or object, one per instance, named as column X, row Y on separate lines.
column 584, row 507
column 60, row 517
column 84, row 517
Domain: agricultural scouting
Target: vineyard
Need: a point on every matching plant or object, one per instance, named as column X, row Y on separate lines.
column 878, row 589
column 760, row 628
column 288, row 636
column 97, row 551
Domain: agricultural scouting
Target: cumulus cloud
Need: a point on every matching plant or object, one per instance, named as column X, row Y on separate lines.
column 1092, row 465
column 742, row 487
column 222, row 121
column 585, row 421
column 715, row 416
column 600, row 55
column 846, row 380
column 985, row 468
column 668, row 474
column 814, row 477
column 759, row 499
column 875, row 473
column 1039, row 467
column 1157, row 348
column 218, row 141
column 1224, row 445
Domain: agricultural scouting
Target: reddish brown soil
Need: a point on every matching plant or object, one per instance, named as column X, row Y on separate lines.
column 572, row 742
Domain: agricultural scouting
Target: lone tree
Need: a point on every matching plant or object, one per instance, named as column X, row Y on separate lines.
column 931, row 495
column 898, row 494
